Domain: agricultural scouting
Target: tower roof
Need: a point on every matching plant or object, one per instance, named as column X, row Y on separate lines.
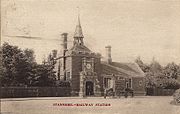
column 78, row 31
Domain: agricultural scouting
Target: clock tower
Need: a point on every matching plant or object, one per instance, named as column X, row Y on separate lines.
column 81, row 67
column 85, row 66
column 89, row 81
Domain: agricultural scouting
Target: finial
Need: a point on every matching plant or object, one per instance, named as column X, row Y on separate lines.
column 78, row 10
column 78, row 15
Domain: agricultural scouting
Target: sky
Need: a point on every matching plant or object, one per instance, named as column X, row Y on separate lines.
column 145, row 28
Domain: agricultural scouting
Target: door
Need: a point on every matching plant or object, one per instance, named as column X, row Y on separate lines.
column 89, row 88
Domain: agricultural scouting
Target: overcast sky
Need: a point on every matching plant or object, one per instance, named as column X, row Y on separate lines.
column 132, row 27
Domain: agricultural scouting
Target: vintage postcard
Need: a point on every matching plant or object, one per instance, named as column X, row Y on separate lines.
column 90, row 57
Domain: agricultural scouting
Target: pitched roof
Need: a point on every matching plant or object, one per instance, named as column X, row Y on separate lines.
column 80, row 48
column 122, row 69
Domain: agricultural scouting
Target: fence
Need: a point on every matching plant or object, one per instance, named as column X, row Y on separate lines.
column 15, row 92
column 160, row 92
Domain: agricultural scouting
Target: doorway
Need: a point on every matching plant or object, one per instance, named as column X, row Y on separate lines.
column 89, row 88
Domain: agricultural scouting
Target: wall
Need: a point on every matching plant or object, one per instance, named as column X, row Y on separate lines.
column 76, row 69
column 138, row 85
column 14, row 92
column 68, row 62
column 160, row 92
column 120, row 85
column 98, row 70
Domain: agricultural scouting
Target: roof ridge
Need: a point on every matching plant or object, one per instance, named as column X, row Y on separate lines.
column 125, row 64
column 122, row 70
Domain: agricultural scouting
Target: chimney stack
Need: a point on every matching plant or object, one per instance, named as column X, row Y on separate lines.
column 64, row 49
column 54, row 53
column 108, row 54
column 64, row 40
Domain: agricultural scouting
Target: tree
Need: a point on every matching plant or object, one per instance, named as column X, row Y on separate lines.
column 171, row 84
column 2, row 70
column 150, row 80
column 171, row 70
column 160, row 77
column 9, row 54
column 155, row 67
column 176, row 97
column 20, row 69
column 144, row 67
column 45, row 76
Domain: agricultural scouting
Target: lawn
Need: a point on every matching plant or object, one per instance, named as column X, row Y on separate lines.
column 73, row 105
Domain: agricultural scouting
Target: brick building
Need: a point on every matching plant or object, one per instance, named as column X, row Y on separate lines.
column 88, row 75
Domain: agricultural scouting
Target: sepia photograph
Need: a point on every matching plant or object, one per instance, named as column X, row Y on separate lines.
column 90, row 57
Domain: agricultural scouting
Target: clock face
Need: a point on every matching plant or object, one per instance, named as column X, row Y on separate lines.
column 88, row 66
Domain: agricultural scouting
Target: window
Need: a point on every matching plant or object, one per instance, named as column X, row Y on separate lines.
column 58, row 76
column 58, row 73
column 105, row 82
column 108, row 83
column 130, row 83
column 65, row 76
column 68, row 75
column 127, row 84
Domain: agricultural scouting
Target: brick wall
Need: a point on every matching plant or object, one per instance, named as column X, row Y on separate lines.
column 98, row 70
column 15, row 92
column 138, row 85
column 76, row 69
column 120, row 85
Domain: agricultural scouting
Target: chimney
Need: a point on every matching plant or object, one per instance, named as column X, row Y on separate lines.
column 54, row 53
column 64, row 40
column 64, row 49
column 108, row 54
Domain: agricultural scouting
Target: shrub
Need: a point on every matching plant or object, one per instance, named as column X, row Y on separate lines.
column 171, row 84
column 177, row 97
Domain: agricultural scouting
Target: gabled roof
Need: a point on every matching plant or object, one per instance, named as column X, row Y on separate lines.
column 80, row 48
column 122, row 69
